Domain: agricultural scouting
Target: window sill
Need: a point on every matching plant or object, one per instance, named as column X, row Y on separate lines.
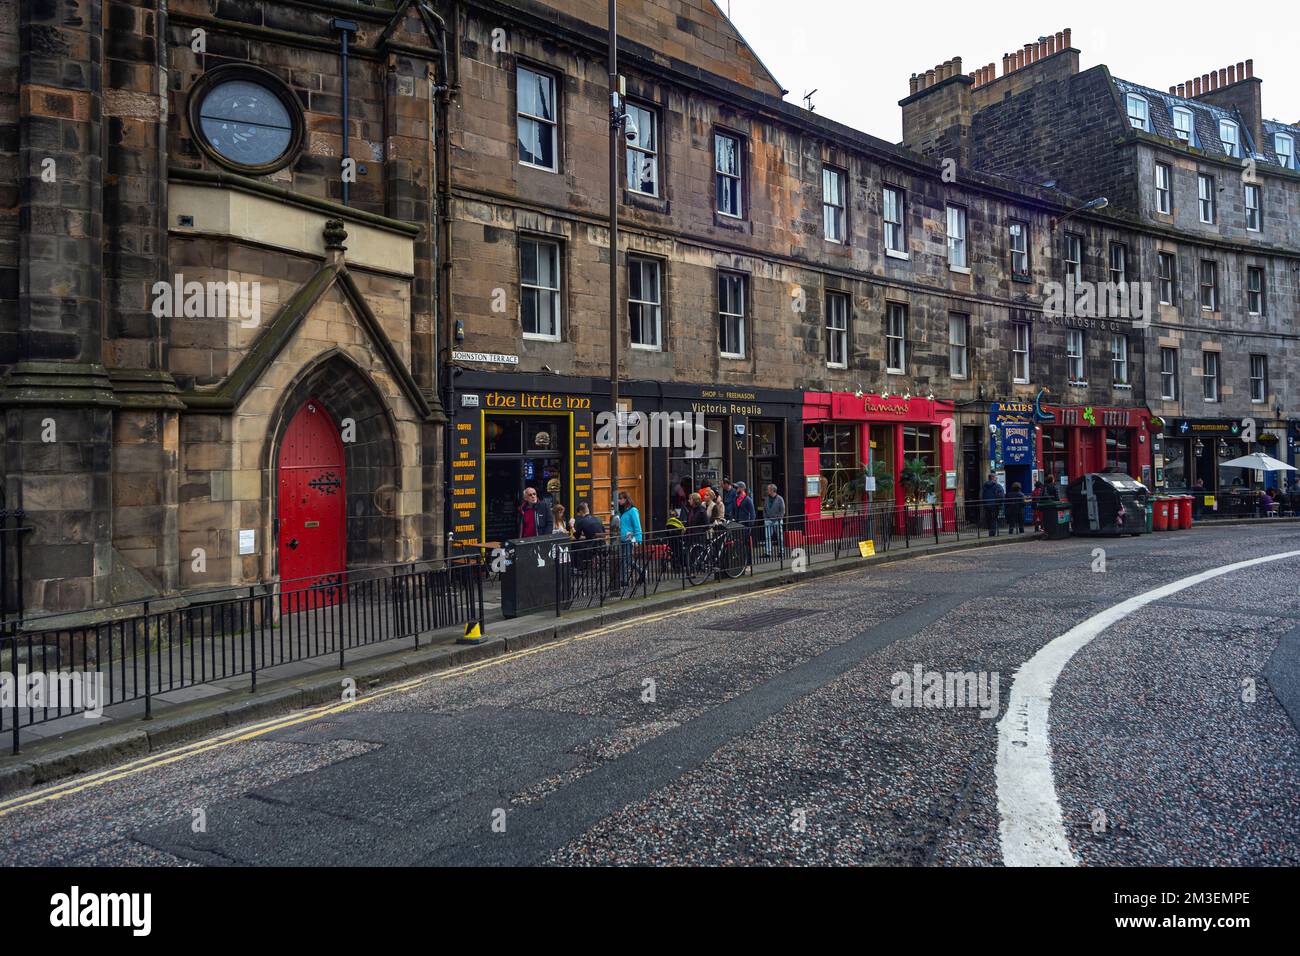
column 960, row 270
column 535, row 337
column 734, row 356
column 832, row 365
column 895, row 254
column 637, row 347
column 544, row 169
column 894, row 371
column 1017, row 277
column 1121, row 387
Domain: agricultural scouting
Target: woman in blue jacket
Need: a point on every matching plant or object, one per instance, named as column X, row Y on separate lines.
column 629, row 530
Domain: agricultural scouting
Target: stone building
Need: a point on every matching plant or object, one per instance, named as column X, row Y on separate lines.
column 1213, row 191
column 217, row 333
column 394, row 218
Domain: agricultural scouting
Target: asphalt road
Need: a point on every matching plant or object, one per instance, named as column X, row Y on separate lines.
column 767, row 729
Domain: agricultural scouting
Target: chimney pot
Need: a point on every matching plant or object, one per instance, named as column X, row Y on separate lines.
column 1066, row 31
column 911, row 84
column 929, row 78
column 956, row 65
column 1250, row 68
column 1232, row 73
column 1223, row 76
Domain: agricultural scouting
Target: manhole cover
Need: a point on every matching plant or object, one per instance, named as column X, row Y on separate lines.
column 754, row 622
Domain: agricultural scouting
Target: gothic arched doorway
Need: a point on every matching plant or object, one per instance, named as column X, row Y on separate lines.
column 310, row 478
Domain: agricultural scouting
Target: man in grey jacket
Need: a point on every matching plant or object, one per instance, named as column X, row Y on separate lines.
column 773, row 521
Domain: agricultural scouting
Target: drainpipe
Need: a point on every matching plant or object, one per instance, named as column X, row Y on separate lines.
column 346, row 28
column 440, row 202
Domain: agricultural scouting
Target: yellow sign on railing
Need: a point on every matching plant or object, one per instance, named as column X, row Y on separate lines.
column 867, row 548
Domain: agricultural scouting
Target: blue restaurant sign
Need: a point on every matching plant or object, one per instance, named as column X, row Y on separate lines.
column 1014, row 422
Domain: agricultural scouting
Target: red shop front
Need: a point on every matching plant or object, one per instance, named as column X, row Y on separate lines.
column 1090, row 438
column 901, row 446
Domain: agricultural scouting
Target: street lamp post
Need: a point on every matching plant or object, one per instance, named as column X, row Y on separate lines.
column 616, row 118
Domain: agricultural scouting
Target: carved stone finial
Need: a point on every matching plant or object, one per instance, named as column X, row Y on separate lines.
column 335, row 234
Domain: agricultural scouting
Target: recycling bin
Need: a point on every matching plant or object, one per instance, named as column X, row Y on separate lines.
column 1055, row 517
column 1175, row 512
column 1160, row 514
column 1185, row 519
column 1108, row 503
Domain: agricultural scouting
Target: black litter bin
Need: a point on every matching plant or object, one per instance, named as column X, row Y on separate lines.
column 1109, row 503
column 528, row 583
column 1055, row 518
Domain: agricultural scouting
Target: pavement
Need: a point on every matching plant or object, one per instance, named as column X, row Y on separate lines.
column 765, row 727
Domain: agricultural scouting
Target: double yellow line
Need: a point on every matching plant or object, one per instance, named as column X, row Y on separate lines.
column 252, row 731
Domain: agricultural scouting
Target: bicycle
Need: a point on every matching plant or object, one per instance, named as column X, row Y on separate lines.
column 722, row 553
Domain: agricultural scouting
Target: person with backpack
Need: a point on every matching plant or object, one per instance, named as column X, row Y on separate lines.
column 991, row 498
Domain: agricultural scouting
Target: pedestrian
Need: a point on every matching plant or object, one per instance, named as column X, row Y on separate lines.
column 558, row 522
column 991, row 498
column 588, row 533
column 729, row 499
column 744, row 513
column 1037, row 495
column 713, row 507
column 534, row 517
column 773, row 521
column 629, row 525
column 1266, row 504
column 1015, row 510
column 1051, row 490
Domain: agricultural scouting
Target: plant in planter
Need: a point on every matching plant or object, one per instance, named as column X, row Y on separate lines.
column 918, row 481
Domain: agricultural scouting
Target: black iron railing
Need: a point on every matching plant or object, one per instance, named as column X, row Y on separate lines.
column 143, row 652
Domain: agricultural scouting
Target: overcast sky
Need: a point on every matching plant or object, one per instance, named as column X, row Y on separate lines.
column 858, row 54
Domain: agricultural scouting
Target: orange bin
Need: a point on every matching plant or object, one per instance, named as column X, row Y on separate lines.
column 1160, row 514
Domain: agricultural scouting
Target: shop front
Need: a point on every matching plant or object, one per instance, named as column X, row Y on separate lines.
column 1030, row 440
column 1079, row 439
column 514, row 431
column 1194, row 452
column 865, row 449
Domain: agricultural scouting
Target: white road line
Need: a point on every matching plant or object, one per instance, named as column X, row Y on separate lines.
column 1031, row 827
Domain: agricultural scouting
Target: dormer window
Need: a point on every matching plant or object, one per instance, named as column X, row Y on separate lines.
column 1183, row 124
column 1230, row 135
column 1139, row 112
column 1284, row 146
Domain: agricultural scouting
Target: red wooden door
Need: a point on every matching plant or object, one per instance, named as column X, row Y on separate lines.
column 312, row 509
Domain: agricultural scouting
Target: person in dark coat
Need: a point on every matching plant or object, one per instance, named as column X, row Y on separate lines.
column 991, row 495
column 534, row 517
column 747, row 515
column 1015, row 510
column 588, row 533
column 729, row 499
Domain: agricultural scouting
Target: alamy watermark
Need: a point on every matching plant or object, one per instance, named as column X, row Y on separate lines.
column 946, row 689
column 179, row 299
column 652, row 430
column 64, row 690
column 1097, row 300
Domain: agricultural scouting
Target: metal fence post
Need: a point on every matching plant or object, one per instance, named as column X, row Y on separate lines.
column 252, row 638
column 13, row 662
column 934, row 521
column 148, row 688
column 556, row 561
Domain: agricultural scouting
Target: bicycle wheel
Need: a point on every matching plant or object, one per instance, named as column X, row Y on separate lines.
column 699, row 566
column 732, row 559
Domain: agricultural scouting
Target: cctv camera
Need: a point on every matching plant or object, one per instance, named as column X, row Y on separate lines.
column 629, row 129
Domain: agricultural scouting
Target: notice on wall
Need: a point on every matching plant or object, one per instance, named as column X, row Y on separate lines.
column 247, row 540
column 867, row 548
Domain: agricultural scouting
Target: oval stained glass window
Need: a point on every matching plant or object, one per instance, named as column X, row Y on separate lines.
column 246, row 123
